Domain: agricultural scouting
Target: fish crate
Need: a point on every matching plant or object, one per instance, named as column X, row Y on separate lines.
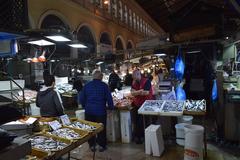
column 82, row 134
column 172, row 108
column 53, row 152
column 195, row 107
column 98, row 126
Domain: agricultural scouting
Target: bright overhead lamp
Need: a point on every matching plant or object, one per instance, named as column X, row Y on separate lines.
column 106, row 2
column 58, row 38
column 41, row 42
column 197, row 51
column 160, row 54
column 99, row 63
column 77, row 46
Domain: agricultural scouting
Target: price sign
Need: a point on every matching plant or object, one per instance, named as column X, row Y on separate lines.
column 65, row 119
column 55, row 125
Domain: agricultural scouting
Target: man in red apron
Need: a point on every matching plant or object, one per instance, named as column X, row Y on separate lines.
column 141, row 90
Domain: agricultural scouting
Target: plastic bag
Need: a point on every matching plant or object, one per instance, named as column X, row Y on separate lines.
column 214, row 90
column 180, row 93
column 179, row 67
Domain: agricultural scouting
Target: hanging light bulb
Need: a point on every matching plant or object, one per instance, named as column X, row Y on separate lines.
column 42, row 58
column 35, row 60
column 106, row 2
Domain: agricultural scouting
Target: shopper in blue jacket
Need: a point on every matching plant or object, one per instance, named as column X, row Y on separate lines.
column 94, row 97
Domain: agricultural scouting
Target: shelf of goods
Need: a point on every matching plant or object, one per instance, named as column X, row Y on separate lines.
column 172, row 107
column 49, row 144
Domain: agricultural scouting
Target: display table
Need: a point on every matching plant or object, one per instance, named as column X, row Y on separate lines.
column 174, row 109
column 85, row 135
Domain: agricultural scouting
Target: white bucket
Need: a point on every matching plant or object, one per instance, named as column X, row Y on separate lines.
column 180, row 133
column 193, row 149
column 185, row 119
column 80, row 114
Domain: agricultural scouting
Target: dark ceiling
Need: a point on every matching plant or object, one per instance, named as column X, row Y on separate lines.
column 175, row 16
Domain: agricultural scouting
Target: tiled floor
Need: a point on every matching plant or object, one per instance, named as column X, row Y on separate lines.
column 119, row 151
column 132, row 151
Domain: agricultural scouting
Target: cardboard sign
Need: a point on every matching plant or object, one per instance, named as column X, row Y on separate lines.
column 55, row 125
column 31, row 120
column 65, row 119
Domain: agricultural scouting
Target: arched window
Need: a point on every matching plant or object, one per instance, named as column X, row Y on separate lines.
column 53, row 22
column 59, row 51
column 130, row 51
column 120, row 11
column 137, row 26
column 130, row 18
column 119, row 49
column 114, row 8
column 134, row 21
column 141, row 25
column 105, row 43
column 125, row 14
column 119, row 45
column 85, row 36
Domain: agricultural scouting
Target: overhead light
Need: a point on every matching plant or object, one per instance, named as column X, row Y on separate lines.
column 42, row 58
column 226, row 37
column 52, row 60
column 168, row 39
column 99, row 63
column 35, row 60
column 197, row 51
column 58, row 38
column 27, row 59
column 77, row 46
column 106, row 2
column 41, row 42
column 160, row 54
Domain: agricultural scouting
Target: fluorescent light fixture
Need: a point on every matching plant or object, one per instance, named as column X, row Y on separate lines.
column 197, row 51
column 99, row 63
column 160, row 54
column 27, row 59
column 41, row 42
column 58, row 38
column 77, row 46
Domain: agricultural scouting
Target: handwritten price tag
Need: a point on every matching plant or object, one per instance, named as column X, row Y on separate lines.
column 55, row 125
column 65, row 119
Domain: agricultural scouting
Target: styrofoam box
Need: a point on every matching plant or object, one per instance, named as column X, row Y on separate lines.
column 80, row 114
column 18, row 128
column 126, row 126
column 6, row 85
column 154, row 143
column 35, row 111
column 113, row 125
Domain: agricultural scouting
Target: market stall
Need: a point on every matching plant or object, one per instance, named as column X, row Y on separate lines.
column 51, row 139
column 175, row 108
